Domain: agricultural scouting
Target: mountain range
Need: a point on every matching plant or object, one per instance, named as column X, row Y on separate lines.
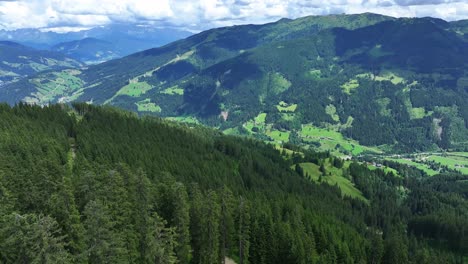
column 89, row 50
column 399, row 84
column 94, row 45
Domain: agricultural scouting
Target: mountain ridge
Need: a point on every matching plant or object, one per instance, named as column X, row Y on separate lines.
column 322, row 69
column 89, row 50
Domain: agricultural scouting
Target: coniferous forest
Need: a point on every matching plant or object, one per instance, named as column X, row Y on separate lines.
column 87, row 184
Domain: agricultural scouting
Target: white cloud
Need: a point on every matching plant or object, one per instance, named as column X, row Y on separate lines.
column 203, row 14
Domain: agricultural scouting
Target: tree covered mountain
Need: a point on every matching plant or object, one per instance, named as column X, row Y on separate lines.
column 95, row 184
column 19, row 61
column 400, row 84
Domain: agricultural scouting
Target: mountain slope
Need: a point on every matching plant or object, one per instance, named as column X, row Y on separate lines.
column 91, row 184
column 203, row 50
column 366, row 76
column 19, row 61
column 89, row 50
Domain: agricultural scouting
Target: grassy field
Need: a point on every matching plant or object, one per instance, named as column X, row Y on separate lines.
column 418, row 112
column 462, row 154
column 285, row 107
column 135, row 89
column 147, row 106
column 418, row 165
column 453, row 162
column 385, row 76
column 333, row 141
column 234, row 131
column 288, row 152
column 279, row 136
column 331, row 111
column 174, row 90
column 385, row 169
column 260, row 119
column 350, row 85
column 336, row 177
column 185, row 119
column 249, row 125
column 55, row 86
column 389, row 76
column 258, row 122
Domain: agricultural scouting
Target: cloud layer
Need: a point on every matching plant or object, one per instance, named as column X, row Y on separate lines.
column 204, row 14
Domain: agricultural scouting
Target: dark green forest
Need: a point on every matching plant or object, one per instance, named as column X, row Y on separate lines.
column 87, row 184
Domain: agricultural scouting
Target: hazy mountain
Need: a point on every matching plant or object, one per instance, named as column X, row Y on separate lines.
column 128, row 38
column 89, row 50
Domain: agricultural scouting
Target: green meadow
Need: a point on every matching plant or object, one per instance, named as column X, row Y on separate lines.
column 174, row 90
column 333, row 141
column 285, row 107
column 417, row 165
column 135, row 89
column 147, row 106
column 334, row 176
column 459, row 163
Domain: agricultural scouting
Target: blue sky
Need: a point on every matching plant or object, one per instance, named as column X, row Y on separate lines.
column 196, row 15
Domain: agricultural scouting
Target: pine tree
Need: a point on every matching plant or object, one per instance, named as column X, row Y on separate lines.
column 376, row 249
column 244, row 231
column 174, row 207
column 116, row 195
column 396, row 250
column 196, row 222
column 161, row 242
column 227, row 228
column 142, row 207
column 62, row 207
column 209, row 251
column 32, row 239
column 323, row 170
column 103, row 245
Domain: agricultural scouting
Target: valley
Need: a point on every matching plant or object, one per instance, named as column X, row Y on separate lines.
column 333, row 88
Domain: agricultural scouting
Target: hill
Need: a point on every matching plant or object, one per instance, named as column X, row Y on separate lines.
column 19, row 61
column 89, row 50
column 396, row 84
column 98, row 184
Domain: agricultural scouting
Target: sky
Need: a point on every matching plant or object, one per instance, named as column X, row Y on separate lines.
column 196, row 15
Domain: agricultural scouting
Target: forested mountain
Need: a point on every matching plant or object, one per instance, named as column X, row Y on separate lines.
column 89, row 50
column 400, row 84
column 93, row 184
column 17, row 61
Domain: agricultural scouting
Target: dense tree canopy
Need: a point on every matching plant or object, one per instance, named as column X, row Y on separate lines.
column 92, row 184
